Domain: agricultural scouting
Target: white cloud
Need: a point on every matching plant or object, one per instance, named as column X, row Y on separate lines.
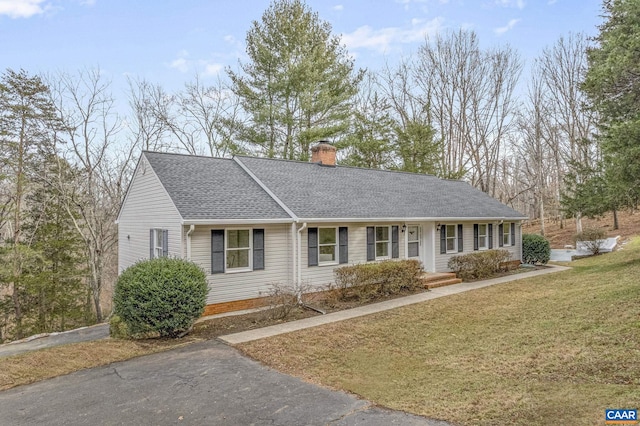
column 501, row 30
column 338, row 7
column 22, row 8
column 552, row 1
column 181, row 63
column 212, row 69
column 520, row 4
column 384, row 39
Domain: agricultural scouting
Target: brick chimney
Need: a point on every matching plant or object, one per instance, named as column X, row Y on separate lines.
column 324, row 153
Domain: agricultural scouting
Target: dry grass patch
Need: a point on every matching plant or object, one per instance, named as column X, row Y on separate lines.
column 556, row 349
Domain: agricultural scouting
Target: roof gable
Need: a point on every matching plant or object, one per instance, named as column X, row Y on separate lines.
column 207, row 188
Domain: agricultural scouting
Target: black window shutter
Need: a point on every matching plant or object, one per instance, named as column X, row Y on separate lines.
column 258, row 249
column 165, row 242
column 460, row 248
column 500, row 235
column 513, row 234
column 490, row 235
column 395, row 245
column 371, row 243
column 443, row 239
column 217, row 251
column 343, row 238
column 312, row 234
column 152, row 235
column 475, row 236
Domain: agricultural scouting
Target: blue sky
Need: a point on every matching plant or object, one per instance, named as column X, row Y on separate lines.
column 168, row 41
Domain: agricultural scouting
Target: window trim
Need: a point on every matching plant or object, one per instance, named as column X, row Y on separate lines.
column 506, row 234
column 455, row 238
column 336, row 246
column 158, row 251
column 486, row 236
column 227, row 269
column 388, row 241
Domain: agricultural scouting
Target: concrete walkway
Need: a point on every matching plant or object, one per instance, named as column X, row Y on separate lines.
column 274, row 330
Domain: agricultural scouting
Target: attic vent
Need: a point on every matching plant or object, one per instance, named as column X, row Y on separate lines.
column 324, row 153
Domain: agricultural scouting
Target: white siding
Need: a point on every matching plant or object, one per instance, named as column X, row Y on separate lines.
column 443, row 259
column 146, row 206
column 231, row 286
column 319, row 277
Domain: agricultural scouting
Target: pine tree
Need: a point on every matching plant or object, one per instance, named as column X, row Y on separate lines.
column 27, row 120
column 613, row 86
column 298, row 84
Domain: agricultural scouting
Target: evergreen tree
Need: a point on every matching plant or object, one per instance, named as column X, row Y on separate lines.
column 27, row 121
column 613, row 86
column 60, row 298
column 298, row 84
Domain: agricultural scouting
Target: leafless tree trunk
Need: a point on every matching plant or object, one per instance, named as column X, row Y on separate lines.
column 563, row 67
column 85, row 104
column 470, row 95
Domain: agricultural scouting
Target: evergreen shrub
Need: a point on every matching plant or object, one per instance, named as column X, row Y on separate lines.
column 160, row 297
column 535, row 249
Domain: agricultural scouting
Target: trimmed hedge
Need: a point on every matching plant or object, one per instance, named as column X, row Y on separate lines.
column 478, row 265
column 535, row 249
column 159, row 297
column 370, row 280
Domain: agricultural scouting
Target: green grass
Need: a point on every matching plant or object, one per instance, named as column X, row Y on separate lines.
column 557, row 349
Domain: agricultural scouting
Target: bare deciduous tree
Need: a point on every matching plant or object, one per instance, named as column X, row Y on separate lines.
column 94, row 192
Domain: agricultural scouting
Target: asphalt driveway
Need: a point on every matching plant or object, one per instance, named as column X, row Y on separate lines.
column 206, row 383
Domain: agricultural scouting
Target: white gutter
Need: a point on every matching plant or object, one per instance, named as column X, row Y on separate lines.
column 234, row 221
column 406, row 219
column 299, row 263
column 189, row 232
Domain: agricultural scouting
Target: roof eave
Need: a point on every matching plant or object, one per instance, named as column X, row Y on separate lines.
column 235, row 221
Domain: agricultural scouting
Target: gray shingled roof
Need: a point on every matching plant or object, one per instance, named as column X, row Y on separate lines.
column 315, row 191
column 212, row 188
column 217, row 188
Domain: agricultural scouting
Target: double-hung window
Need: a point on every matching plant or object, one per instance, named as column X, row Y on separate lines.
column 327, row 245
column 483, row 240
column 382, row 242
column 451, row 240
column 238, row 249
column 451, row 233
column 482, row 236
column 506, row 234
column 158, row 243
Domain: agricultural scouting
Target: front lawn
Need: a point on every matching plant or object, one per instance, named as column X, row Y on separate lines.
column 557, row 349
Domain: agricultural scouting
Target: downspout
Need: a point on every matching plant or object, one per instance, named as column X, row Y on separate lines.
column 189, row 232
column 299, row 262
column 294, row 245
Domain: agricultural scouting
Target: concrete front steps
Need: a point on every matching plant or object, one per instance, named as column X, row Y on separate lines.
column 439, row 279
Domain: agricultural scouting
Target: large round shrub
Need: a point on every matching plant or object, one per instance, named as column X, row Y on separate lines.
column 161, row 296
column 535, row 249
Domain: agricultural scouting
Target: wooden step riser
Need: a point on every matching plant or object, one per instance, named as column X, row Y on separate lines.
column 438, row 277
